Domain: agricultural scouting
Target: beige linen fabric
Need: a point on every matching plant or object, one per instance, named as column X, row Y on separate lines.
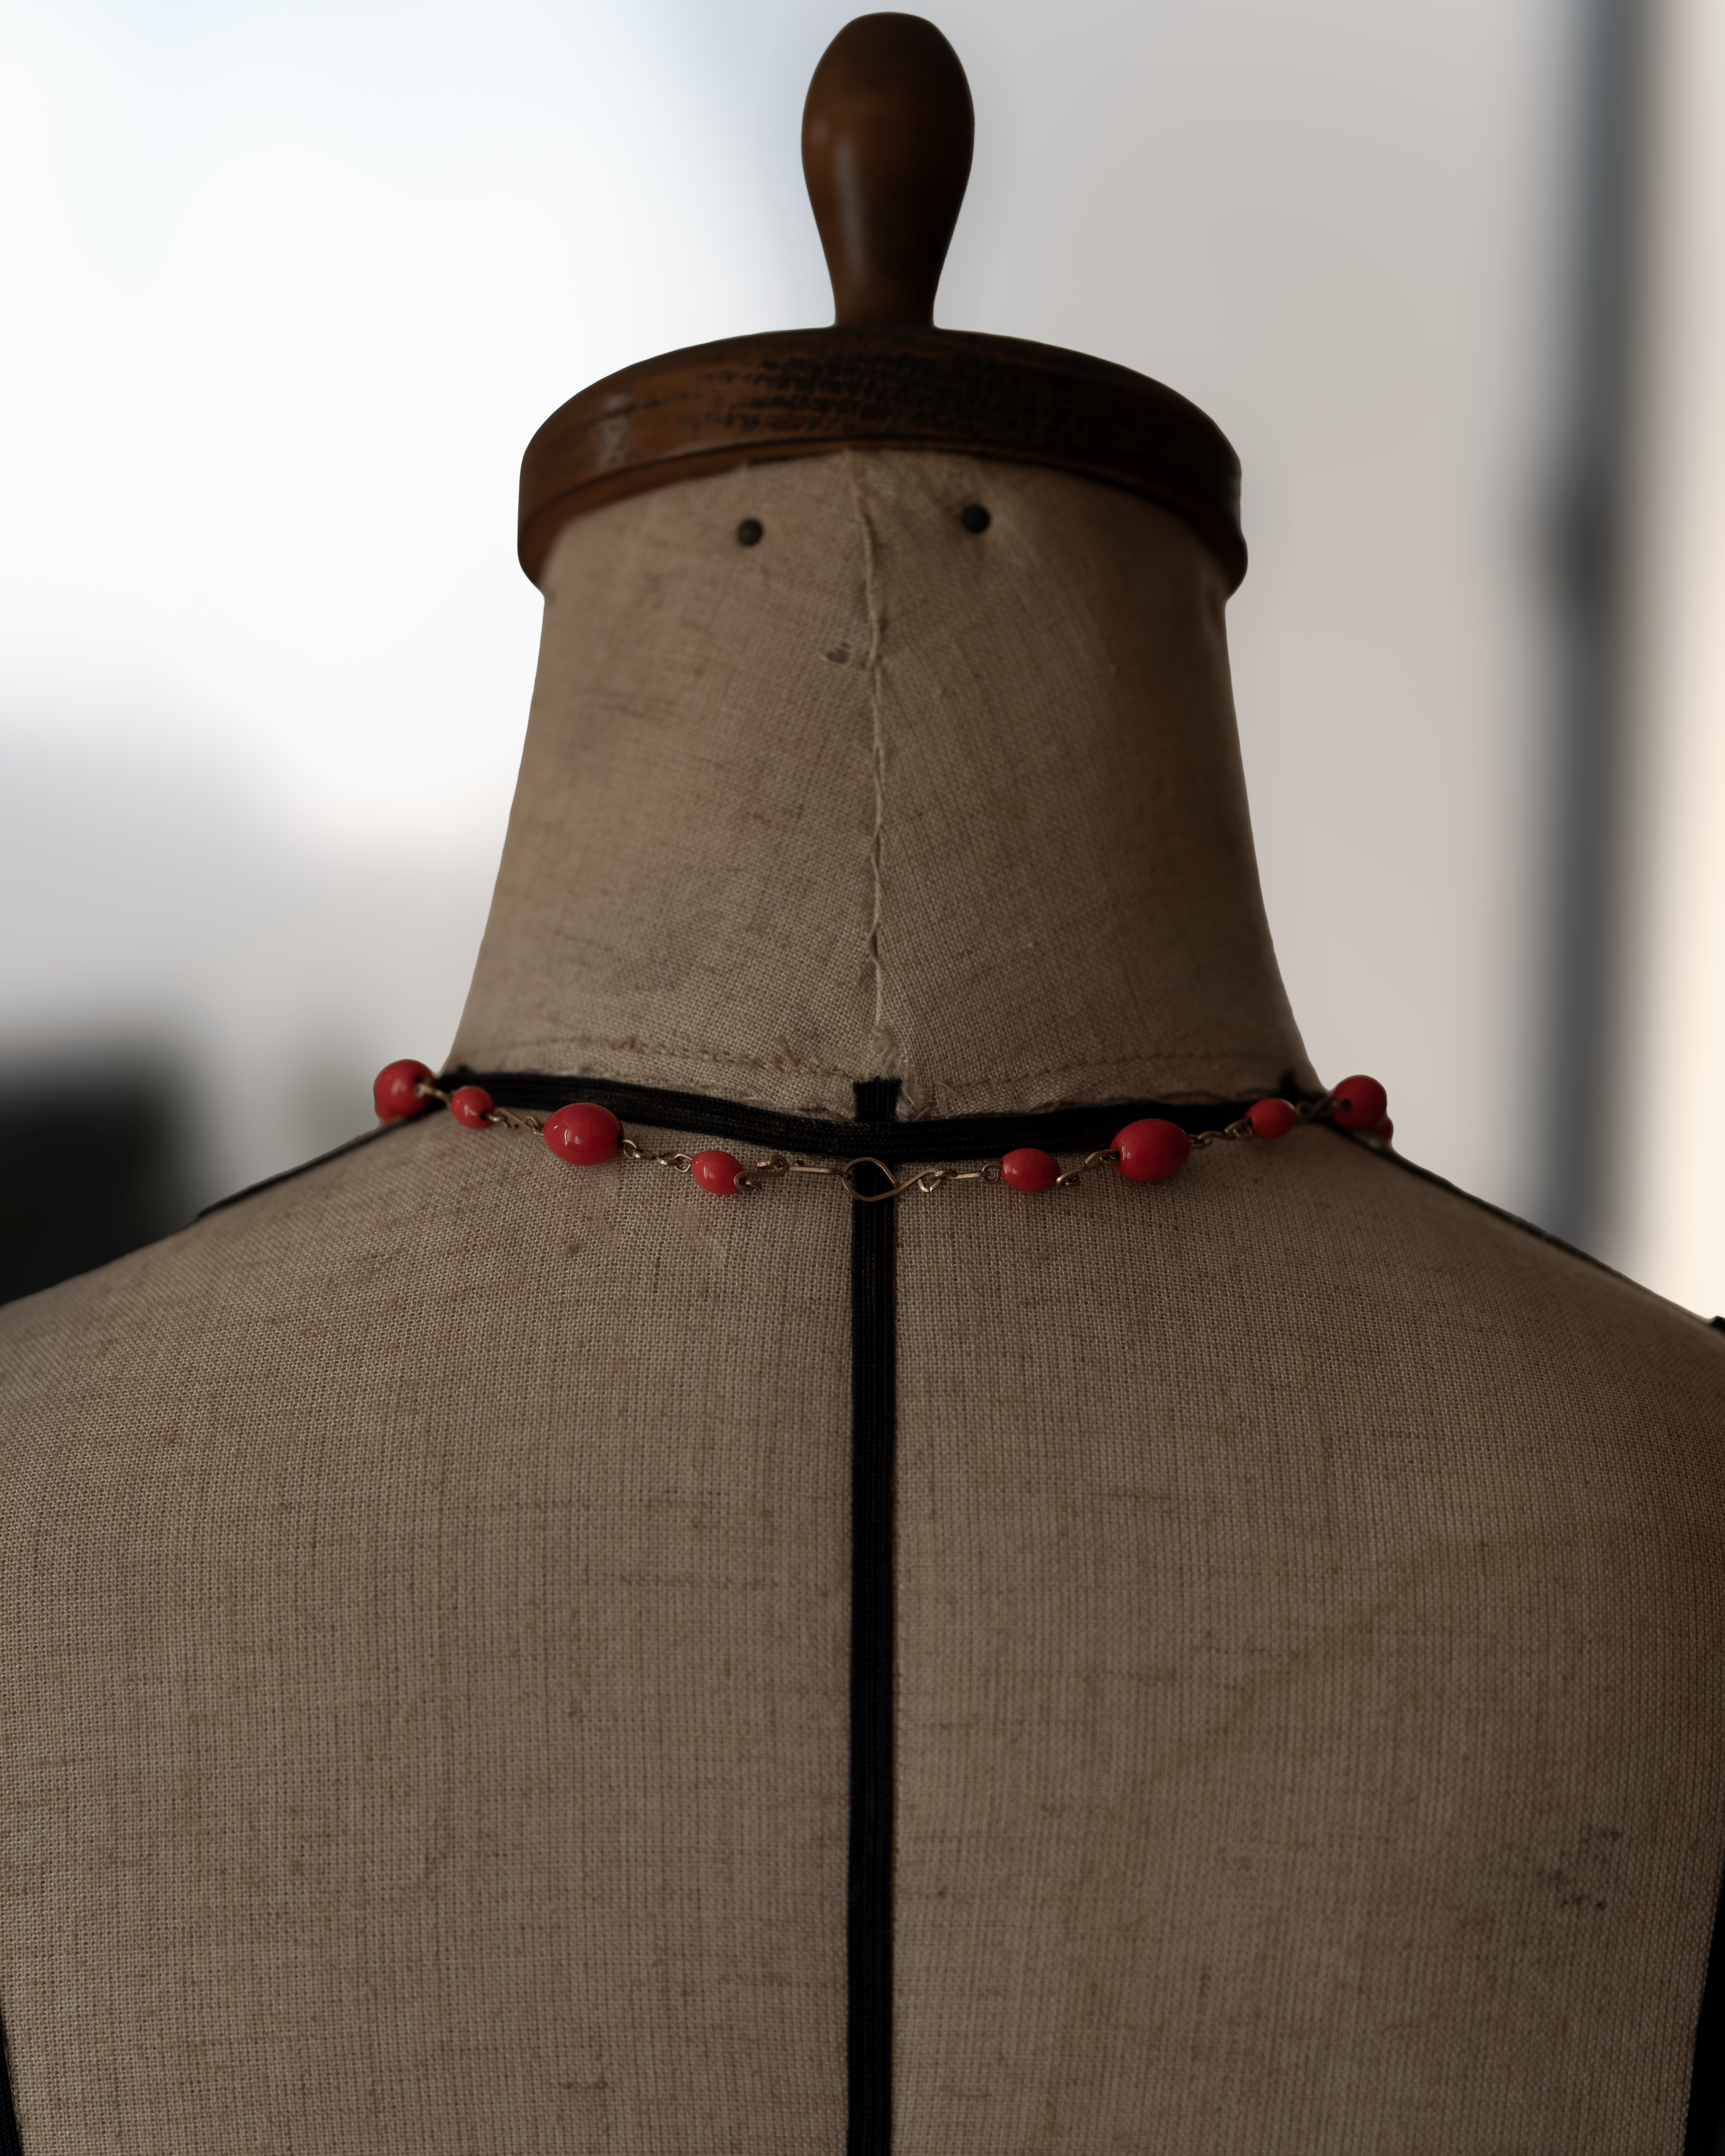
column 880, row 796
column 425, row 1688
column 424, row 1694
column 1312, row 1596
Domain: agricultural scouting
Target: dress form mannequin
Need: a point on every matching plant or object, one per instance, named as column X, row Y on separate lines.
column 429, row 1644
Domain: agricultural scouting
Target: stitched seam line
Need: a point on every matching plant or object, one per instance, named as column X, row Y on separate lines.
column 635, row 1046
column 877, row 841
column 597, row 1042
column 1128, row 1061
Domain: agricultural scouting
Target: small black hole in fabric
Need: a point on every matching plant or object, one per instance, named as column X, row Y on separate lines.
column 748, row 532
column 975, row 517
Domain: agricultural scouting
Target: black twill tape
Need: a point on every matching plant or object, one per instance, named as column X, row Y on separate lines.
column 947, row 1138
column 868, row 1938
column 10, row 2144
column 1705, row 2134
column 943, row 1138
column 876, row 1132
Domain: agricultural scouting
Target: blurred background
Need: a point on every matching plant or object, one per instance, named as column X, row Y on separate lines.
column 288, row 291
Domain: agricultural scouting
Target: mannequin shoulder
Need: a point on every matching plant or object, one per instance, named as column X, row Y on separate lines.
column 1460, row 1283
column 357, row 1252
column 1312, row 1300
column 435, row 1275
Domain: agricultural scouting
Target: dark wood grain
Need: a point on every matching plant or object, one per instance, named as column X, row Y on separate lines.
column 887, row 133
column 806, row 392
column 886, row 144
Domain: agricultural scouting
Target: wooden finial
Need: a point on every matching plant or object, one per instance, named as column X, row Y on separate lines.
column 887, row 133
column 886, row 141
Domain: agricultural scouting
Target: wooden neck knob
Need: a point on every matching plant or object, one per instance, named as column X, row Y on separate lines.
column 886, row 141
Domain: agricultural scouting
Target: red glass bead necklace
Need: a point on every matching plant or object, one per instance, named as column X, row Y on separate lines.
column 586, row 1134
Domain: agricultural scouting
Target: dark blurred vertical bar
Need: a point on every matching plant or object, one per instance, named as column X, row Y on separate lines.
column 93, row 1163
column 1591, row 567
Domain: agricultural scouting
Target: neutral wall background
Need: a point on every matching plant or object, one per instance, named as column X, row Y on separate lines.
column 1664, row 1220
column 290, row 290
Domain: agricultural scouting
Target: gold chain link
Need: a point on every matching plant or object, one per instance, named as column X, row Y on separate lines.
column 754, row 1175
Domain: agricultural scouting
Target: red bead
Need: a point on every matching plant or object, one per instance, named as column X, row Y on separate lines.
column 1027, row 1169
column 1383, row 1131
column 1271, row 1119
column 471, row 1105
column 717, row 1172
column 395, row 1091
column 583, row 1133
column 1152, row 1150
column 1360, row 1103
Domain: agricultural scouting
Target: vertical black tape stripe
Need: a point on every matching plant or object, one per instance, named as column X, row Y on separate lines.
column 873, row 1423
column 1706, row 2134
column 10, row 2144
